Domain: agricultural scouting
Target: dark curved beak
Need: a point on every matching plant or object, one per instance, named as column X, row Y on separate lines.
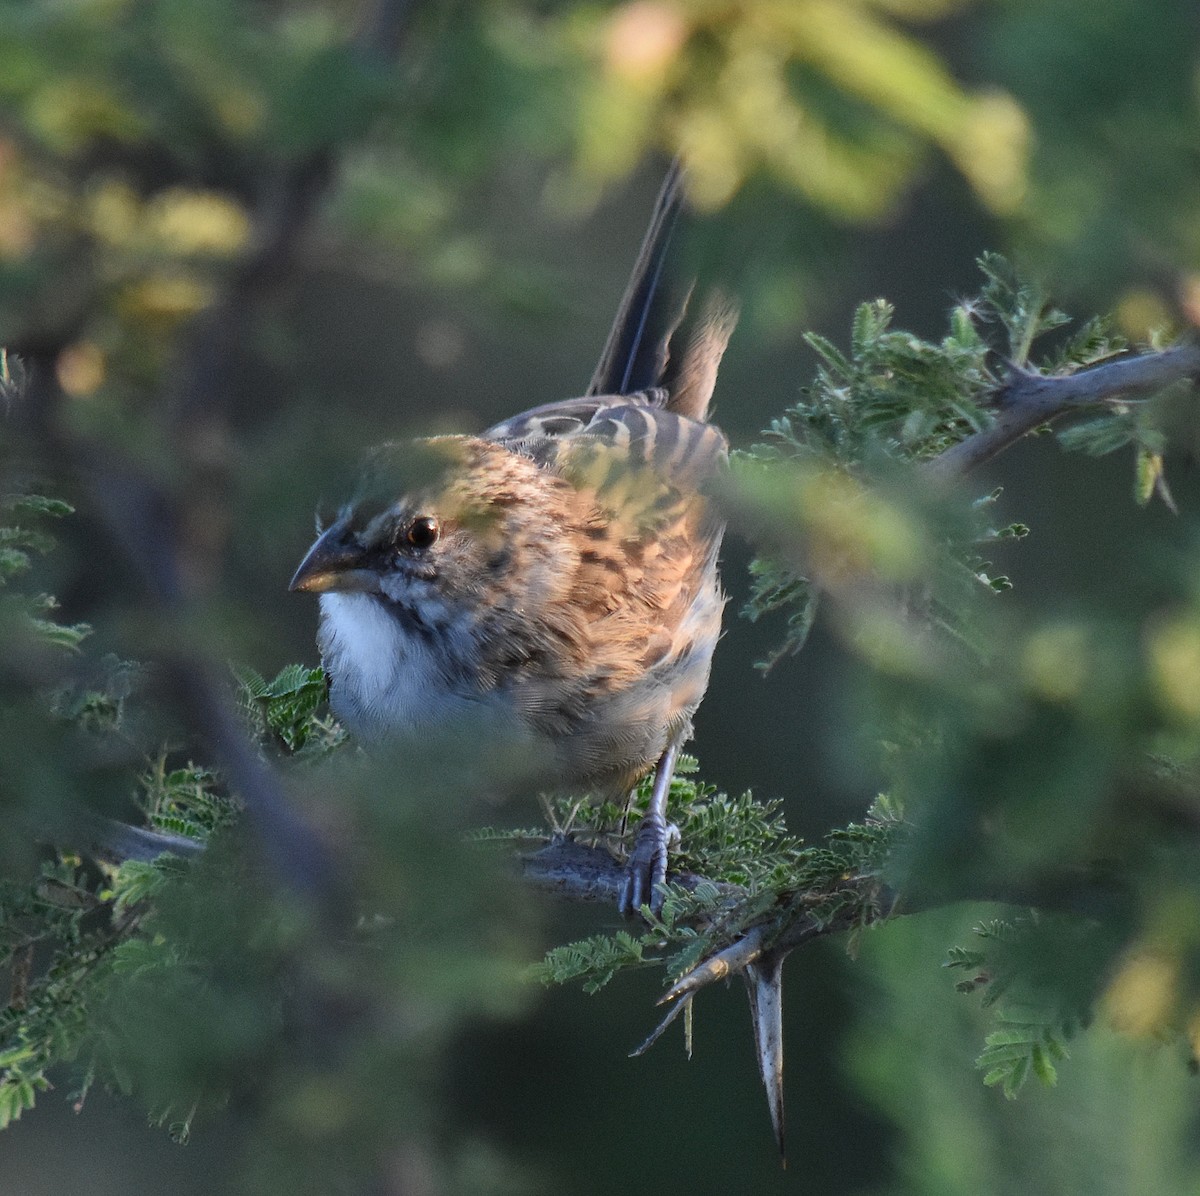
column 335, row 562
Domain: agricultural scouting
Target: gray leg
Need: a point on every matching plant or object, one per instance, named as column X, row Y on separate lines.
column 647, row 865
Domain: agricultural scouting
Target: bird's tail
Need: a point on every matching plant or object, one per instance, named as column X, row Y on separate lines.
column 690, row 374
column 635, row 353
column 643, row 348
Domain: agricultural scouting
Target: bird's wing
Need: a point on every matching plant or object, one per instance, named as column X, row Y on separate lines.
column 565, row 418
column 630, row 432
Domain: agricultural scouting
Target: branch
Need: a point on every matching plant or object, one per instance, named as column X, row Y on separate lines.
column 576, row 872
column 115, row 842
column 1027, row 400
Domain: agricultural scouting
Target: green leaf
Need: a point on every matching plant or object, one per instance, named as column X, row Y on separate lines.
column 871, row 321
column 287, row 707
column 1043, row 1065
column 829, row 353
column 16, row 1054
column 1101, row 435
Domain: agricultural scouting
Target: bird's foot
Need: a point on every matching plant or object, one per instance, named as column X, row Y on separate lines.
column 646, row 868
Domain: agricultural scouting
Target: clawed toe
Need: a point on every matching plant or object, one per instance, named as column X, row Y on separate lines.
column 646, row 868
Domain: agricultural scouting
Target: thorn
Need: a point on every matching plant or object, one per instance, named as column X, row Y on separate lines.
column 764, row 983
column 657, row 1032
column 735, row 958
column 1164, row 493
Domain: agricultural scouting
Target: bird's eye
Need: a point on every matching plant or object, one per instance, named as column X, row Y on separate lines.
column 422, row 532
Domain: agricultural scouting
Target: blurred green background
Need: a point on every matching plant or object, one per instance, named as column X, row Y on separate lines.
column 495, row 177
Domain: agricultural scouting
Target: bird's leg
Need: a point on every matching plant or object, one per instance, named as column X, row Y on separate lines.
column 646, row 868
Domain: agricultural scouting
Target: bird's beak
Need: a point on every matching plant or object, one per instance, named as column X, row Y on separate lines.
column 334, row 562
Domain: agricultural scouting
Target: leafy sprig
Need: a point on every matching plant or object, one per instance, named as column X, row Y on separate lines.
column 895, row 400
column 1017, row 972
column 289, row 710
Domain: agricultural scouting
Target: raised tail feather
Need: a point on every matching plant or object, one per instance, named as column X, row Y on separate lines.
column 643, row 347
column 691, row 374
column 634, row 355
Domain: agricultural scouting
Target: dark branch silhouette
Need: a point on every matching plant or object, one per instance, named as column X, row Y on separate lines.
column 158, row 532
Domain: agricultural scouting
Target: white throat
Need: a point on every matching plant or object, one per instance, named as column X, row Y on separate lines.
column 384, row 679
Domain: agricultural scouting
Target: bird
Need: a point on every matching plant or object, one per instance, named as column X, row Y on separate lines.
column 555, row 577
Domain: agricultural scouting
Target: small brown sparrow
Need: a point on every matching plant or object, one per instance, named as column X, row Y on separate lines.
column 557, row 577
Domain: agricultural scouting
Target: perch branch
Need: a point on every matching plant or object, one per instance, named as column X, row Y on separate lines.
column 1027, row 400
column 578, row 872
column 581, row 873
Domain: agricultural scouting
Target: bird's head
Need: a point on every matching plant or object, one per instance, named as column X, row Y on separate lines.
column 481, row 525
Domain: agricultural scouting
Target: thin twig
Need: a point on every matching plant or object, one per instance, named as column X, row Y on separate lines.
column 115, row 842
column 659, row 1030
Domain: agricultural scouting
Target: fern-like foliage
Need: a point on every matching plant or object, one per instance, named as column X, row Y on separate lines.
column 894, row 399
column 728, row 840
column 1017, row 971
column 46, row 1015
column 594, row 961
column 80, row 922
column 185, row 799
column 23, row 538
column 1022, row 1044
column 63, row 932
column 290, row 709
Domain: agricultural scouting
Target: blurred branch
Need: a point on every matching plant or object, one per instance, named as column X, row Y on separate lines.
column 205, row 385
column 166, row 535
column 1028, row 400
column 115, row 842
column 135, row 516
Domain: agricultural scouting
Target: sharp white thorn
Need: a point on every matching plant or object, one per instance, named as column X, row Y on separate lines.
column 764, row 983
